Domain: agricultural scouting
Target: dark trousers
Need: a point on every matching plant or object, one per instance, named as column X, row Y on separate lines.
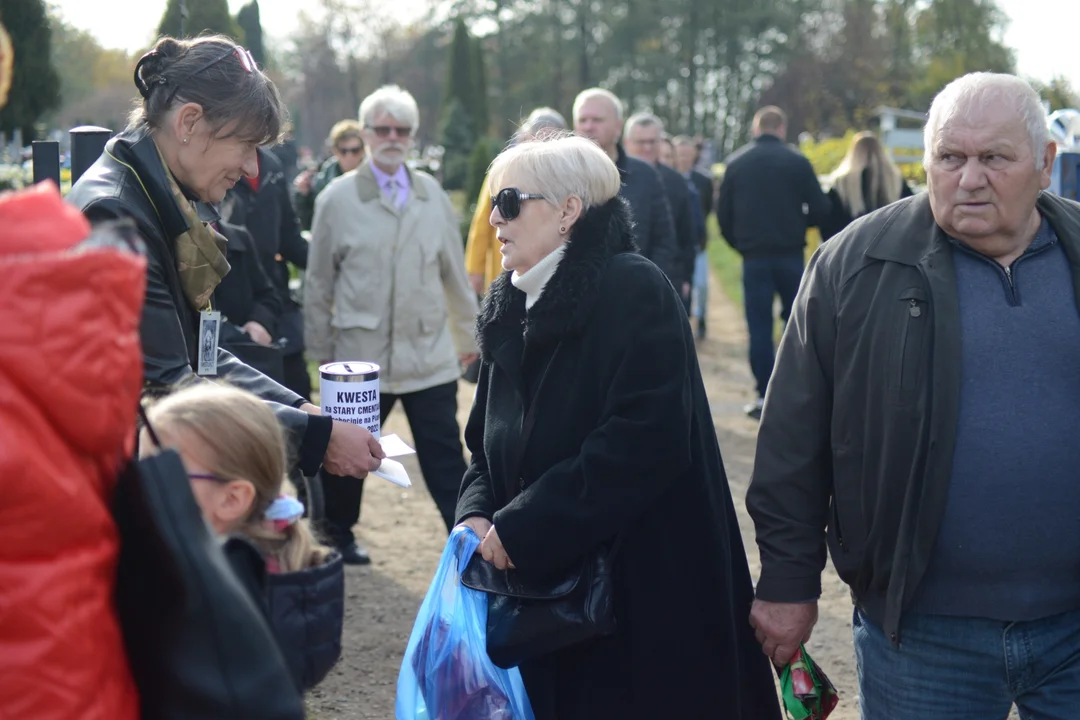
column 296, row 375
column 763, row 279
column 432, row 415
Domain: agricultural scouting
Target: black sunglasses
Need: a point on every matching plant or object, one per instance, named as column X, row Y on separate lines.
column 385, row 130
column 350, row 150
column 509, row 200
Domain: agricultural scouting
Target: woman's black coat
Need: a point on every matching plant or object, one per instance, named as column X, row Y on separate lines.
column 623, row 442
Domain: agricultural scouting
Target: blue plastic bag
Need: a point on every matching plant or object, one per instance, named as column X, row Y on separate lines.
column 446, row 673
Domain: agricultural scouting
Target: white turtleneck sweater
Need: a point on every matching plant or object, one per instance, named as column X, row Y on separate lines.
column 533, row 280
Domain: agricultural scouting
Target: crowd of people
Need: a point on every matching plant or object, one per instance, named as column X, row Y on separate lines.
column 914, row 422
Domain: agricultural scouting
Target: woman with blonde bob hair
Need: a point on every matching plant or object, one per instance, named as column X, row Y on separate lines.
column 233, row 449
column 866, row 180
column 590, row 434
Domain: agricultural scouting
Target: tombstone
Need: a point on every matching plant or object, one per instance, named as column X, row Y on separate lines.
column 46, row 161
column 87, row 144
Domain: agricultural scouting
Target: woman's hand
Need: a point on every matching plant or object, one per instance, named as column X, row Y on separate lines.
column 493, row 551
column 258, row 333
column 479, row 525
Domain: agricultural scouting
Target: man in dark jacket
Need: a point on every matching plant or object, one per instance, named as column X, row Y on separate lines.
column 686, row 158
column 262, row 205
column 923, row 411
column 768, row 197
column 643, row 134
column 598, row 115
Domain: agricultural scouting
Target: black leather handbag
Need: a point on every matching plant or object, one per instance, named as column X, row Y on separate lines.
column 191, row 609
column 530, row 617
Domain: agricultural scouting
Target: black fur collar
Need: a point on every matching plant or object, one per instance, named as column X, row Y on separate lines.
column 603, row 232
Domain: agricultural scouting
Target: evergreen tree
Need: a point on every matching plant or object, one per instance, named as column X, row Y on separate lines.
column 459, row 72
column 250, row 23
column 203, row 16
column 35, row 84
column 480, row 112
column 457, row 138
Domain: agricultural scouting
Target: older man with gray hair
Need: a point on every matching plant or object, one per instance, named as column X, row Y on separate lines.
column 386, row 284
column 643, row 135
column 921, row 422
column 598, row 115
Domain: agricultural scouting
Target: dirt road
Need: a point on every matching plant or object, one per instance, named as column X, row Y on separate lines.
column 403, row 532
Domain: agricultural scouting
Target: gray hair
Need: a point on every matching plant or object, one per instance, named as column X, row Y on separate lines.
column 541, row 119
column 642, row 120
column 558, row 167
column 588, row 94
column 396, row 102
column 976, row 91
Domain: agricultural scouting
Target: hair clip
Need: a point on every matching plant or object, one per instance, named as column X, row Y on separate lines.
column 144, row 89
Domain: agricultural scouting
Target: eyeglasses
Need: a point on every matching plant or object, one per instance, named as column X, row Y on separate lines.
column 384, row 131
column 350, row 150
column 208, row 476
column 509, row 200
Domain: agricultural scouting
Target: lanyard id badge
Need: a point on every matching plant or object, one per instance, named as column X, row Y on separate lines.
column 209, row 332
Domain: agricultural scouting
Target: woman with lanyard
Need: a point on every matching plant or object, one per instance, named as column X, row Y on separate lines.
column 206, row 108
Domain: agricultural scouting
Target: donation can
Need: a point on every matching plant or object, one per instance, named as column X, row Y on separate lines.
column 349, row 391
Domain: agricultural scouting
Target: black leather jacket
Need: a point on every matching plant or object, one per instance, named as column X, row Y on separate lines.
column 128, row 182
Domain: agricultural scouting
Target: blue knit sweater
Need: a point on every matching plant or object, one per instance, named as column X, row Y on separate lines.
column 1009, row 543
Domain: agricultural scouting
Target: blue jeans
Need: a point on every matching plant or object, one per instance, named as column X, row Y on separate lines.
column 763, row 279
column 950, row 668
column 700, row 291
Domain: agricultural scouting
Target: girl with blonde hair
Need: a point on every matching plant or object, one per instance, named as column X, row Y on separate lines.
column 233, row 449
column 866, row 180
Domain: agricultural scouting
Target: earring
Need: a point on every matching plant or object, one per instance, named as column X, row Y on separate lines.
column 185, row 141
column 562, row 230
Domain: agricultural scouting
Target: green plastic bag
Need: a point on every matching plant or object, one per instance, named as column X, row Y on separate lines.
column 807, row 693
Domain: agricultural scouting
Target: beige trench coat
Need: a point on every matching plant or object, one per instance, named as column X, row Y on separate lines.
column 388, row 286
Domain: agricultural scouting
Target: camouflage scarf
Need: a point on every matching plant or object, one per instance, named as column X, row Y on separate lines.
column 200, row 252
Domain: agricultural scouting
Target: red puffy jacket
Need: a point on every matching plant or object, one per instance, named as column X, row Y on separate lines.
column 70, row 377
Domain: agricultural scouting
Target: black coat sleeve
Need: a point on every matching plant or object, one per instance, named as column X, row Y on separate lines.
column 477, row 497
column 818, row 205
column 686, row 231
column 725, row 208
column 294, row 248
column 663, row 244
column 266, row 304
column 837, row 219
column 791, row 485
column 641, row 443
column 254, row 290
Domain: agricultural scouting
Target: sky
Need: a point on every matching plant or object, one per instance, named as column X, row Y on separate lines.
column 1044, row 33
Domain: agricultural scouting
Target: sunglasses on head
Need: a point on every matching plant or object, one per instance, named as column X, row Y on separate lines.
column 247, row 61
column 351, row 150
column 509, row 200
column 384, row 131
